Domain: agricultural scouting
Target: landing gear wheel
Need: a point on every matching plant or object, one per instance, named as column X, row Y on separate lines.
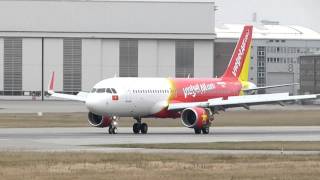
column 205, row 130
column 197, row 131
column 144, row 128
column 110, row 130
column 113, row 130
column 136, row 128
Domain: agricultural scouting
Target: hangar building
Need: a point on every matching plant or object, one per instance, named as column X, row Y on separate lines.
column 84, row 42
column 274, row 56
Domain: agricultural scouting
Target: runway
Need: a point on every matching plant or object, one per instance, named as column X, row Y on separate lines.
column 81, row 139
column 59, row 106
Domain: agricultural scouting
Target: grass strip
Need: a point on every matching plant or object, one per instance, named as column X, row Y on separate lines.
column 255, row 145
column 134, row 166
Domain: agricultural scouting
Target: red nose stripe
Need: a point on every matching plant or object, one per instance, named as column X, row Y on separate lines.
column 115, row 97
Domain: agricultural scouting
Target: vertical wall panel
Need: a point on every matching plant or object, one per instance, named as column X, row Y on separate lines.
column 53, row 61
column 1, row 64
column 128, row 58
column 110, row 58
column 222, row 55
column 13, row 66
column 72, row 53
column 166, row 58
column 91, row 63
column 148, row 58
column 31, row 64
column 203, row 59
column 184, row 58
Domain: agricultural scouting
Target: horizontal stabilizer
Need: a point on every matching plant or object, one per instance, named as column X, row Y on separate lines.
column 81, row 96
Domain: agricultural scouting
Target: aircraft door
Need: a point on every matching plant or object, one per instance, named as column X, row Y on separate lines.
column 129, row 102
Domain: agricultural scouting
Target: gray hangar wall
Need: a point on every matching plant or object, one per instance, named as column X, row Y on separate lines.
column 84, row 42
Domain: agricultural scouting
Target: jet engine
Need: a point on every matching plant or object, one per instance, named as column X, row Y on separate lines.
column 195, row 117
column 98, row 121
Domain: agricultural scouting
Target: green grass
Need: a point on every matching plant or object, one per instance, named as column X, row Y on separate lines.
column 133, row 166
column 255, row 145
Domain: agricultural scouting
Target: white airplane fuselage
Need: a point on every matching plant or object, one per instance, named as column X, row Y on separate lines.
column 133, row 97
column 150, row 97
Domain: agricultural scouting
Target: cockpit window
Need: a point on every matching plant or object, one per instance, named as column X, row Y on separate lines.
column 114, row 91
column 109, row 90
column 93, row 90
column 101, row 90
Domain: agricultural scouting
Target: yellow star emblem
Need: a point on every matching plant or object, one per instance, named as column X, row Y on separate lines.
column 204, row 117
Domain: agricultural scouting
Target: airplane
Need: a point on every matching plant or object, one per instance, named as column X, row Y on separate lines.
column 194, row 100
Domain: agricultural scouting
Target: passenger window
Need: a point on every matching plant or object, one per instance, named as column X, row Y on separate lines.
column 101, row 90
column 113, row 91
column 93, row 90
column 109, row 90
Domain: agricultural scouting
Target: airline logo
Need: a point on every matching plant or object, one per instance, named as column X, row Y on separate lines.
column 193, row 90
column 240, row 55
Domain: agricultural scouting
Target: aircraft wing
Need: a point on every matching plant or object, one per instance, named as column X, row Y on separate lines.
column 242, row 101
column 81, row 96
column 272, row 86
column 77, row 97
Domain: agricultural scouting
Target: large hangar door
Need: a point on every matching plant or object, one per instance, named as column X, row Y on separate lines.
column 275, row 78
column 222, row 55
column 12, row 74
column 72, row 53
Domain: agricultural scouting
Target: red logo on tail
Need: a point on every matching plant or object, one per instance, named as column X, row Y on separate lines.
column 239, row 55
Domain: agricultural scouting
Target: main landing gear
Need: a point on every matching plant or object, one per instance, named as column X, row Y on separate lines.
column 113, row 125
column 204, row 130
column 139, row 127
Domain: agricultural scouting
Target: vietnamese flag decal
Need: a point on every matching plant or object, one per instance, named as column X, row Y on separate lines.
column 115, row 97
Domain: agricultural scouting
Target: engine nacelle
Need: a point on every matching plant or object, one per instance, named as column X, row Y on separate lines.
column 98, row 121
column 195, row 117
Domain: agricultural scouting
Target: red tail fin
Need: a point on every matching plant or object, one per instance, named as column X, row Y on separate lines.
column 51, row 84
column 239, row 54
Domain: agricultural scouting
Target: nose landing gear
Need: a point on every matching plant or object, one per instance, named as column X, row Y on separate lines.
column 113, row 125
column 139, row 127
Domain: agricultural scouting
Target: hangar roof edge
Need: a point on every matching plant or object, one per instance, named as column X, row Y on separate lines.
column 167, row 1
column 261, row 31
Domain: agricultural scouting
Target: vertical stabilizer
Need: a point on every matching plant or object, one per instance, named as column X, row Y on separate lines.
column 244, row 75
column 241, row 53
